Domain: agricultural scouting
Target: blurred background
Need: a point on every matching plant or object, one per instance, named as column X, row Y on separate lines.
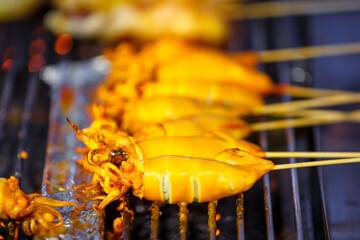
column 318, row 203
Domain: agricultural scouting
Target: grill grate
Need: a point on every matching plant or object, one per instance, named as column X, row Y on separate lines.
column 155, row 214
column 285, row 211
column 32, row 89
column 240, row 216
column 267, row 193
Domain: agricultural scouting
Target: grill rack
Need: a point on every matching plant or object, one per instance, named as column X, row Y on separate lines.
column 10, row 94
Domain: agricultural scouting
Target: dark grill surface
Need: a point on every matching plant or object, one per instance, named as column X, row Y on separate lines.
column 312, row 203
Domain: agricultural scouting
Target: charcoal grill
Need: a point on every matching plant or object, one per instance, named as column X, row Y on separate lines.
column 317, row 203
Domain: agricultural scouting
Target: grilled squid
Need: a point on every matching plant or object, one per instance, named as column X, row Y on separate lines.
column 138, row 19
column 173, row 169
column 34, row 210
column 194, row 126
column 166, row 124
column 173, row 79
column 177, row 179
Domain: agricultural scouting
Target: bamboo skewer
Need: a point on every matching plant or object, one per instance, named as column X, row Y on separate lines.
column 308, row 118
column 311, row 113
column 154, row 224
column 316, row 163
column 326, row 101
column 183, row 225
column 300, row 122
column 279, row 9
column 308, row 154
column 212, row 219
column 292, row 54
column 306, row 92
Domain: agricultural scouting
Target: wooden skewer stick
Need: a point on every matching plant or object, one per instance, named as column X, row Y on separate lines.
column 311, row 113
column 306, row 92
column 299, row 122
column 183, row 225
column 316, row 163
column 308, row 118
column 308, row 154
column 308, row 103
column 292, row 54
column 234, row 10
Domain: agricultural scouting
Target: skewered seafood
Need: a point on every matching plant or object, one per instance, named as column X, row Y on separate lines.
column 34, row 210
column 157, row 133
column 194, row 126
column 142, row 20
column 171, row 169
column 143, row 82
column 174, row 126
column 13, row 10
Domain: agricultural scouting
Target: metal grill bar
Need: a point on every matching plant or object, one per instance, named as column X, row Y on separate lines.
column 320, row 176
column 183, row 220
column 155, row 215
column 323, row 204
column 4, row 30
column 126, row 219
column 240, row 222
column 12, row 64
column 14, row 35
column 267, row 192
column 290, row 139
column 5, row 98
column 290, row 142
column 268, row 207
column 6, row 94
column 31, row 91
column 283, row 73
column 212, row 220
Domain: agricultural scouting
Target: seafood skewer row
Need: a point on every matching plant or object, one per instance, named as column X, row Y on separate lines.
column 158, row 165
column 142, row 96
column 34, row 210
column 204, row 82
column 201, row 124
column 199, row 129
column 162, row 65
column 139, row 97
column 145, row 20
column 152, row 107
column 165, row 109
column 171, row 169
column 171, row 73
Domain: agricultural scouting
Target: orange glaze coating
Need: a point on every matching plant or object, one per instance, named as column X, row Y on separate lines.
column 177, row 179
column 175, row 108
column 171, row 69
column 138, row 19
column 144, row 164
column 215, row 91
column 213, row 66
column 196, row 146
column 34, row 210
column 110, row 145
column 16, row 202
column 163, row 109
column 194, row 126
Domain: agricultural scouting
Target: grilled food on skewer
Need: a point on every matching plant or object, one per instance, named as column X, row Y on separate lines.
column 140, row 20
column 34, row 210
column 14, row 10
column 176, row 169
